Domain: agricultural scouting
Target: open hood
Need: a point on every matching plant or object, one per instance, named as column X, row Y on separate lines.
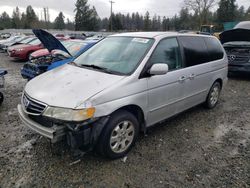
column 235, row 35
column 49, row 41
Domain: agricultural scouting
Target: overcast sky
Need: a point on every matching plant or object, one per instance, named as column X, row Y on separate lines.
column 160, row 7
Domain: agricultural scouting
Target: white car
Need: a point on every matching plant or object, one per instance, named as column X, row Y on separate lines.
column 123, row 85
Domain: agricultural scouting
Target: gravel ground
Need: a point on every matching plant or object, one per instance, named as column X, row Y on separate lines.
column 199, row 148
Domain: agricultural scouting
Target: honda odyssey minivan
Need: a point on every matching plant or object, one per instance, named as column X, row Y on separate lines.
column 123, row 85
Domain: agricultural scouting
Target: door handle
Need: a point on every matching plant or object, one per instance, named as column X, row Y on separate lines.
column 182, row 79
column 192, row 76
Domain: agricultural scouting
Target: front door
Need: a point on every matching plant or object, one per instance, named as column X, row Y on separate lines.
column 165, row 91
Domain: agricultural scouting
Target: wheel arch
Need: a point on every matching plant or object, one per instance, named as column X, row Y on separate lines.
column 220, row 81
column 137, row 112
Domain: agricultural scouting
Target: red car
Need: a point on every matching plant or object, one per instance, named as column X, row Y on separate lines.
column 22, row 51
column 39, row 53
column 45, row 52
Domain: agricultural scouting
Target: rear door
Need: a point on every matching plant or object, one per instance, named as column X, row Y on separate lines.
column 200, row 63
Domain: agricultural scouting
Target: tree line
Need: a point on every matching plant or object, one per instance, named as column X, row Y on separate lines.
column 190, row 17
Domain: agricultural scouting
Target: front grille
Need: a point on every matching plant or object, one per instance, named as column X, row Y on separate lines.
column 30, row 66
column 42, row 121
column 31, row 106
column 238, row 59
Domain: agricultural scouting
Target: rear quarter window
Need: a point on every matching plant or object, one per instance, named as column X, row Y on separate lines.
column 215, row 49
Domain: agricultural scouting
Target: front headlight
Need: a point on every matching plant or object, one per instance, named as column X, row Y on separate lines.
column 66, row 114
column 19, row 49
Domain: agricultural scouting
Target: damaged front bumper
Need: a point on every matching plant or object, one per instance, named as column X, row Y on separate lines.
column 83, row 135
column 55, row 133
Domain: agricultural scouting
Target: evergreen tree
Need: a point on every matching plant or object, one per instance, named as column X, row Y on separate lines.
column 94, row 20
column 240, row 13
column 83, row 15
column 16, row 18
column 154, row 23
column 184, row 23
column 31, row 20
column 138, row 22
column 5, row 21
column 116, row 22
column 226, row 11
column 23, row 20
column 59, row 22
column 69, row 25
column 247, row 14
column 147, row 22
column 165, row 24
column 104, row 24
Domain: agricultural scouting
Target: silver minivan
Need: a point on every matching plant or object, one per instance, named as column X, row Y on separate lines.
column 123, row 85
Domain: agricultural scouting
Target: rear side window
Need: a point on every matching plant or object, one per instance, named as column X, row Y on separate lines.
column 167, row 52
column 195, row 50
column 215, row 50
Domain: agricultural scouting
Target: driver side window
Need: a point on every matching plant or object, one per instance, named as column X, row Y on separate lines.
column 167, row 52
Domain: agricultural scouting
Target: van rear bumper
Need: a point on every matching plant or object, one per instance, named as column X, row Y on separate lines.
column 55, row 133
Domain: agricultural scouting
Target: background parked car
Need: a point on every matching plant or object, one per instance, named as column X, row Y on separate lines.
column 21, row 40
column 5, row 35
column 56, row 58
column 2, row 73
column 13, row 38
column 77, row 36
column 237, row 45
column 22, row 51
column 39, row 54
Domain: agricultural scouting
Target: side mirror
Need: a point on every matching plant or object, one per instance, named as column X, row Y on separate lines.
column 158, row 69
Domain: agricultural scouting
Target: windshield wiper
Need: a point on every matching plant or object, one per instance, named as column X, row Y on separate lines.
column 73, row 63
column 98, row 68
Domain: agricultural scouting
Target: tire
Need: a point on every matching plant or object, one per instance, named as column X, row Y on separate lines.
column 119, row 135
column 1, row 98
column 213, row 96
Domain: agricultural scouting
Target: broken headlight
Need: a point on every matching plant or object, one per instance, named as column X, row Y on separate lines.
column 67, row 114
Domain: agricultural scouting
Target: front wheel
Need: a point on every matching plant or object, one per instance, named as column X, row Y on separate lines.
column 213, row 95
column 119, row 135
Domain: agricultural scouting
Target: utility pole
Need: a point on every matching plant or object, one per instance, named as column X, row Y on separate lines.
column 111, row 20
column 46, row 16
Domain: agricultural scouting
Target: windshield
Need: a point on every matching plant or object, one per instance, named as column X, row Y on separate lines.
column 27, row 40
column 20, row 39
column 75, row 47
column 205, row 29
column 35, row 42
column 116, row 54
column 66, row 43
column 12, row 39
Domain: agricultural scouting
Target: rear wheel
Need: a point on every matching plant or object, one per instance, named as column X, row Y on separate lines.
column 213, row 96
column 119, row 135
